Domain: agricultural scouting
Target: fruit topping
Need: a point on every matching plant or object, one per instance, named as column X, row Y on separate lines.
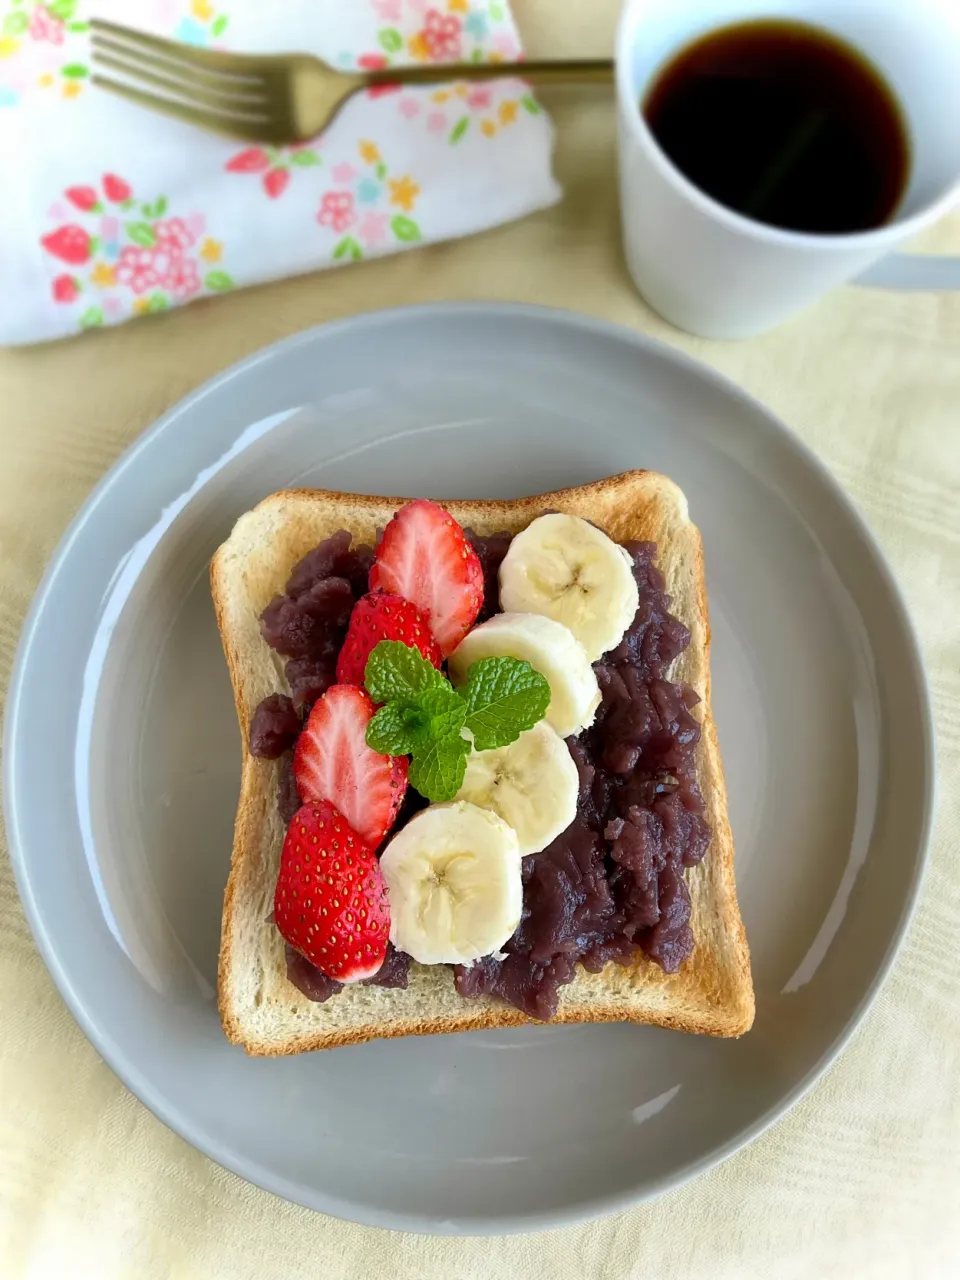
column 425, row 557
column 331, row 899
column 333, row 762
column 454, row 878
column 569, row 570
column 382, row 616
column 550, row 648
column 531, row 783
column 422, row 715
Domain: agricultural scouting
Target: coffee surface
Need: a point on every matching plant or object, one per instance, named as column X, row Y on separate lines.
column 784, row 123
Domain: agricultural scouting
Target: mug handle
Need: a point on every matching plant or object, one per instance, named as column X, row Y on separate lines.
column 931, row 272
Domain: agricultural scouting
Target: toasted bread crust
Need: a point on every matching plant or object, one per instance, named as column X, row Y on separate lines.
column 712, row 993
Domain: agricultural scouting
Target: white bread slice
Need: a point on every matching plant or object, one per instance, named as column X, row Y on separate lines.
column 260, row 1009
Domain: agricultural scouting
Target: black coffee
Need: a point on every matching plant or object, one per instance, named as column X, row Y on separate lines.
column 784, row 123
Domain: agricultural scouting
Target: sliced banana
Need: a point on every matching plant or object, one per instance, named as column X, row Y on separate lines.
column 453, row 876
column 550, row 648
column 563, row 567
column 532, row 784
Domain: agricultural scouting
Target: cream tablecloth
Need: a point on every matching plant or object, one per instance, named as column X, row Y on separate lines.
column 863, row 1178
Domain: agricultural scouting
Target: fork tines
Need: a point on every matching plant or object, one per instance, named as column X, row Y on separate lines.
column 232, row 93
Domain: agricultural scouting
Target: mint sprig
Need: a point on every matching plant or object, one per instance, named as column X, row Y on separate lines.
column 437, row 772
column 407, row 725
column 504, row 697
column 396, row 672
column 425, row 717
column 395, row 729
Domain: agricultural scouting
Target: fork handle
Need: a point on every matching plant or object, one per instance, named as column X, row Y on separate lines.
column 544, row 72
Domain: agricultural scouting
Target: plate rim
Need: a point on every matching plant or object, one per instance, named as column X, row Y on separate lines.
column 133, row 1077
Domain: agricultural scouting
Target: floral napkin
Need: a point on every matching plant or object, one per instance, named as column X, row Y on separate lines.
column 110, row 211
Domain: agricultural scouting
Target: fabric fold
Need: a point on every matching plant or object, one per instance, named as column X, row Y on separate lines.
column 112, row 211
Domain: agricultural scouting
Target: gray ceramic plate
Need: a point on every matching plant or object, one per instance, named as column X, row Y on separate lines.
column 121, row 820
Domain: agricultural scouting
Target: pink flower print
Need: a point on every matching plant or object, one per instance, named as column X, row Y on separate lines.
column 165, row 256
column 135, row 268
column 373, row 229
column 174, row 235
column 389, row 10
column 110, row 227
column 113, row 307
column 196, row 225
column 336, row 210
column 44, row 26
column 181, row 278
column 436, row 122
column 479, row 99
column 507, row 47
column 409, row 107
column 343, row 173
column 441, row 35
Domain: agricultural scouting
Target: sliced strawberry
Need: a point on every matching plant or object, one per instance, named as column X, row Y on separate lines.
column 331, row 899
column 381, row 616
column 425, row 557
column 333, row 762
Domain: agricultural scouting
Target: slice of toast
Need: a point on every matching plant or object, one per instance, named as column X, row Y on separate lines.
column 711, row 994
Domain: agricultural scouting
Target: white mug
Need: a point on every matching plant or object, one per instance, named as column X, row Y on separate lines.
column 714, row 272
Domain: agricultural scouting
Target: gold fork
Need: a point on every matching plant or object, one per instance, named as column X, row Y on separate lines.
column 281, row 97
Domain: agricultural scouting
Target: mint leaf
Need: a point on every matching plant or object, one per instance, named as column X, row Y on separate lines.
column 423, row 716
column 404, row 728
column 444, row 712
column 503, row 697
column 395, row 672
column 437, row 773
column 396, row 729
